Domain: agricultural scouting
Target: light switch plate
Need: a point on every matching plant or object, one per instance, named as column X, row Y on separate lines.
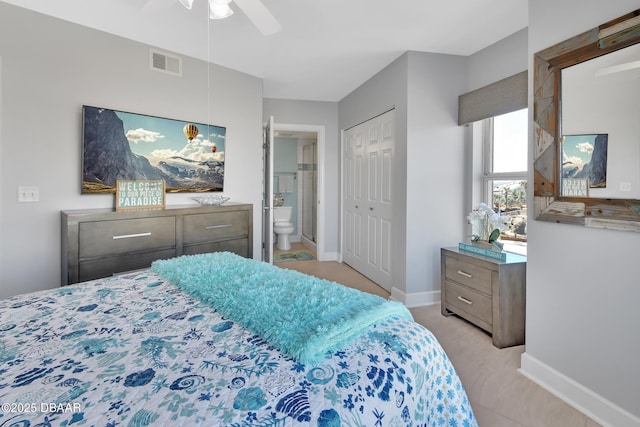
column 28, row 194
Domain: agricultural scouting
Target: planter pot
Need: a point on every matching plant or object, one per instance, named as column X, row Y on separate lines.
column 482, row 244
column 496, row 246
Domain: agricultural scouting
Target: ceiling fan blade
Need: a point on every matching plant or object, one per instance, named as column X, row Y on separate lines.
column 260, row 16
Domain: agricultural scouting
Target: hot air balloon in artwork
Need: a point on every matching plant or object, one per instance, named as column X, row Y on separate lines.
column 213, row 148
column 190, row 131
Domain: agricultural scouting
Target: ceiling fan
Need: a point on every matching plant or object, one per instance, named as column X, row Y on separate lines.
column 255, row 10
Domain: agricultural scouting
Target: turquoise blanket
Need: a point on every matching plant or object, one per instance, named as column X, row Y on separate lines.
column 303, row 316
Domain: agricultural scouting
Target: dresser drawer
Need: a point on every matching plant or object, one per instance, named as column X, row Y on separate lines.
column 103, row 238
column 106, row 266
column 209, row 227
column 464, row 299
column 473, row 276
column 237, row 246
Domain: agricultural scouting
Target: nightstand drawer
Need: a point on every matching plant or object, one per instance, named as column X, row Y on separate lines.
column 468, row 274
column 471, row 302
column 101, row 238
column 210, row 227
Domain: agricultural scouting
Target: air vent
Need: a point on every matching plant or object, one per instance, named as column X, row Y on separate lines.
column 165, row 63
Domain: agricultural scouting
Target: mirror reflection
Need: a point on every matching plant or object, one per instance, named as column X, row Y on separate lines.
column 600, row 126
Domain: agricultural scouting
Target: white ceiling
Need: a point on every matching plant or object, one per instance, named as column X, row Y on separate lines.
column 327, row 48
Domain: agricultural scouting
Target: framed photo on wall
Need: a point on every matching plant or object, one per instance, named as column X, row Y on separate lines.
column 584, row 156
column 118, row 145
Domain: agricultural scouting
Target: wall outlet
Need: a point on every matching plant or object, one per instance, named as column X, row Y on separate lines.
column 28, row 194
column 625, row 186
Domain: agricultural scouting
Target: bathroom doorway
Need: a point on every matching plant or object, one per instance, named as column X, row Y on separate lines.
column 298, row 153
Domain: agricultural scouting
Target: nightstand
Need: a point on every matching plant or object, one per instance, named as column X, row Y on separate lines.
column 490, row 294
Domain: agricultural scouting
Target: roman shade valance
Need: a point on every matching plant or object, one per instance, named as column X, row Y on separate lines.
column 501, row 97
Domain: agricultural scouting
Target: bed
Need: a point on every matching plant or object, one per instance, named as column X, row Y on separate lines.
column 181, row 344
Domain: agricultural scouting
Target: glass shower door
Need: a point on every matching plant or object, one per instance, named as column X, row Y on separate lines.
column 309, row 191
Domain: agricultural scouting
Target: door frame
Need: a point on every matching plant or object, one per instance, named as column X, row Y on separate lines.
column 341, row 245
column 341, row 195
column 321, row 202
column 267, row 190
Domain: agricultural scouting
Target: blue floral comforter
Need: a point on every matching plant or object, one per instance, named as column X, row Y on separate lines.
column 135, row 350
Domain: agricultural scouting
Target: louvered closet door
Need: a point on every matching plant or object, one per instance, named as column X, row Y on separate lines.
column 368, row 199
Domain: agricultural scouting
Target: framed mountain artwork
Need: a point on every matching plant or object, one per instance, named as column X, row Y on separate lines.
column 118, row 145
column 585, row 157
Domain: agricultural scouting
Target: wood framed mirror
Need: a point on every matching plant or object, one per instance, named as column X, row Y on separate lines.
column 550, row 202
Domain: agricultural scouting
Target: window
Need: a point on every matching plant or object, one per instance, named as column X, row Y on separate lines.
column 505, row 142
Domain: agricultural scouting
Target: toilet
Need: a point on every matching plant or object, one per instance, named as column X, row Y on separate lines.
column 283, row 226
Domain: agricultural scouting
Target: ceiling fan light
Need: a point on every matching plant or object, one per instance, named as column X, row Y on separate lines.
column 187, row 3
column 218, row 10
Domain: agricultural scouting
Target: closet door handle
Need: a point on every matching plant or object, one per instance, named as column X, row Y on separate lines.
column 462, row 273
column 131, row 236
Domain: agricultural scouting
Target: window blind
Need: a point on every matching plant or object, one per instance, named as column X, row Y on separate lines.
column 501, row 97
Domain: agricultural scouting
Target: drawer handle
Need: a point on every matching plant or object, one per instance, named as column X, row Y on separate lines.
column 211, row 227
column 463, row 299
column 462, row 273
column 130, row 236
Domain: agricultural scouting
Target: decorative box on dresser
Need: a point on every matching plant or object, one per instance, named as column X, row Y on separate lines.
column 101, row 242
column 486, row 292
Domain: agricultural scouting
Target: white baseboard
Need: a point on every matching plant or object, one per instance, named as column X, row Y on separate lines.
column 575, row 394
column 328, row 256
column 416, row 299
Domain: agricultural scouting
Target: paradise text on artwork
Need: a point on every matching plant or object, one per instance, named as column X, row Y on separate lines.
column 140, row 194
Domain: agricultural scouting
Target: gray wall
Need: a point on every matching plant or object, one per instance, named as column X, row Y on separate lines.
column 582, row 285
column 386, row 90
column 498, row 61
column 435, row 167
column 429, row 162
column 47, row 75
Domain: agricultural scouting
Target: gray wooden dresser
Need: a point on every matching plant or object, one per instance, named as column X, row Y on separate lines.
column 100, row 242
column 486, row 292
